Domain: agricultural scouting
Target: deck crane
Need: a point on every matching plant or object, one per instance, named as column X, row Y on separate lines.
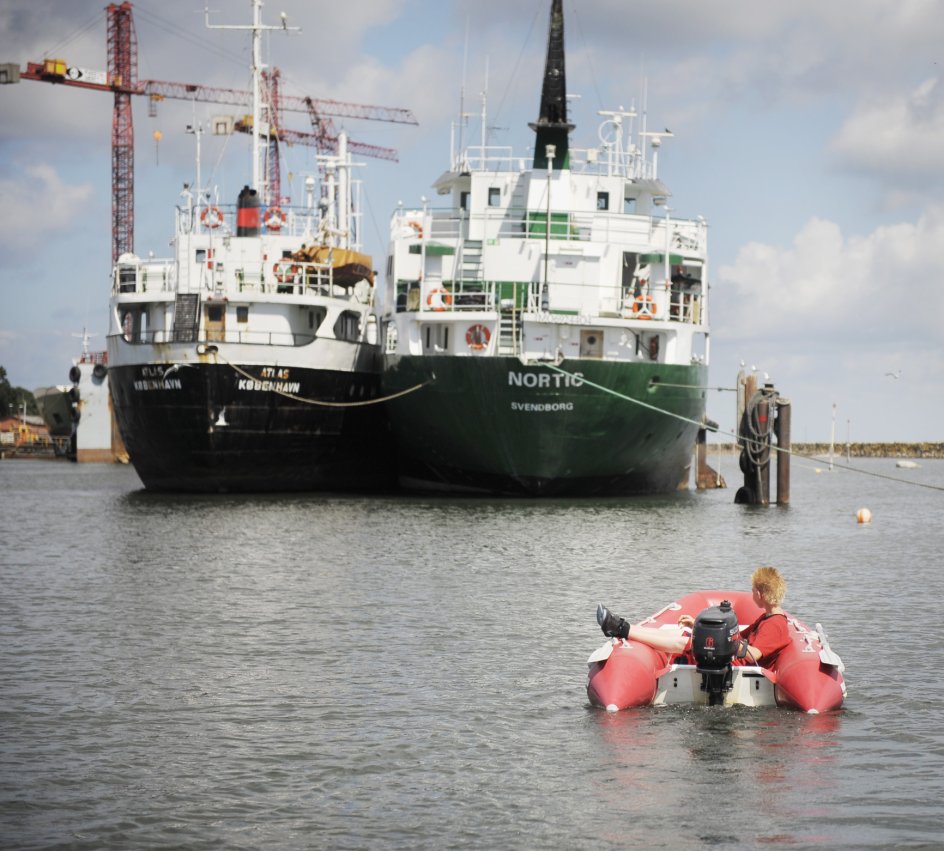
column 122, row 81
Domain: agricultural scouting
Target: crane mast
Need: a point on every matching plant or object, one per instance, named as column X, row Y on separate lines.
column 122, row 81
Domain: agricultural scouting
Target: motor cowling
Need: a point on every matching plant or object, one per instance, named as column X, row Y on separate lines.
column 715, row 639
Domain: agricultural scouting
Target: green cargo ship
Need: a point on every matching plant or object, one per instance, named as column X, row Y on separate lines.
column 548, row 325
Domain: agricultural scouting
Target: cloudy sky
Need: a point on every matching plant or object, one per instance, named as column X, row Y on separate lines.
column 810, row 135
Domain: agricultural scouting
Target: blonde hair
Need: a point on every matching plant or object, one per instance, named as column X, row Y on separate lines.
column 771, row 586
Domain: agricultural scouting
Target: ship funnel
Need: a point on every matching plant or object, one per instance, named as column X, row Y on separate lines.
column 552, row 128
column 247, row 213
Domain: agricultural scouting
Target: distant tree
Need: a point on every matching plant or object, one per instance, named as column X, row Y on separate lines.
column 12, row 398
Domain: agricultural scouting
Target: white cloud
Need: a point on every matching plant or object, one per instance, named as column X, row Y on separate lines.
column 827, row 288
column 36, row 205
column 896, row 136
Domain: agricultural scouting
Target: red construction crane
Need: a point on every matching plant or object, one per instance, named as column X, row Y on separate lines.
column 122, row 81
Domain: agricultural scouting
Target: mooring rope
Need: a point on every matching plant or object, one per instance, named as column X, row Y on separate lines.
column 755, row 445
column 698, row 387
column 319, row 402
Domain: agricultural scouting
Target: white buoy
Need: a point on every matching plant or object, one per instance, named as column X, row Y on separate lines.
column 863, row 515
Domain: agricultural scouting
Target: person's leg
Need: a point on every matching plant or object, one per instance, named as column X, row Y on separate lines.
column 671, row 640
column 613, row 626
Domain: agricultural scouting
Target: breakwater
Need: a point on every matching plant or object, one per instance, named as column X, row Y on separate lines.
column 855, row 450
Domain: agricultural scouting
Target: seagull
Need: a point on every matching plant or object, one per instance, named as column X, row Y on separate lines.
column 895, row 375
column 172, row 369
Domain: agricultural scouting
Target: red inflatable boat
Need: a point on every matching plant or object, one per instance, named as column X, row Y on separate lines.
column 807, row 674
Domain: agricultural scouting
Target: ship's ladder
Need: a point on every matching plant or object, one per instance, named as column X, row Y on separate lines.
column 186, row 317
column 509, row 332
column 470, row 262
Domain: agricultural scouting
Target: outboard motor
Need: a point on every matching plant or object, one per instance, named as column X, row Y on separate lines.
column 714, row 645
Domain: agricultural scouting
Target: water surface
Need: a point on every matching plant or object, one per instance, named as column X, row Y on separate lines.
column 311, row 671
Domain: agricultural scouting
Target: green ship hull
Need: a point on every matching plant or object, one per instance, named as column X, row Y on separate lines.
column 497, row 426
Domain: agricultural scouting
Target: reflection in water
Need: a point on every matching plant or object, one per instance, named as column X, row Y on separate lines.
column 693, row 767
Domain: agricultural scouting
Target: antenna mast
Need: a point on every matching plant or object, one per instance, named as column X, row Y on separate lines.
column 257, row 67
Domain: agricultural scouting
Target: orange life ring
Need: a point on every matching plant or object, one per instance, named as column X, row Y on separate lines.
column 212, row 217
column 439, row 299
column 286, row 271
column 477, row 337
column 274, row 218
column 644, row 307
column 417, row 227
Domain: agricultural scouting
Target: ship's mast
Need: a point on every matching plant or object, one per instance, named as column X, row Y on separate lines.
column 257, row 67
column 552, row 127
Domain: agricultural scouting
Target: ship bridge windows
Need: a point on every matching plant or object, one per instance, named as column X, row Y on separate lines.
column 629, row 206
column 242, row 313
column 591, row 342
column 464, row 197
column 347, row 326
column 603, row 200
column 494, row 196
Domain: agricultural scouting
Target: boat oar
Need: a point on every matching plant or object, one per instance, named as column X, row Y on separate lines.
column 602, row 653
column 826, row 655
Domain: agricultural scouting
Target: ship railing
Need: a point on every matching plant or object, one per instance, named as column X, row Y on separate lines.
column 142, row 276
column 438, row 296
column 250, row 338
column 603, row 160
column 274, row 220
column 282, row 277
column 650, row 304
column 659, row 304
column 94, row 358
column 446, row 296
column 522, row 223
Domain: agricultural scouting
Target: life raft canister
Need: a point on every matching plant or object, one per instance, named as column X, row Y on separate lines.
column 477, row 337
column 274, row 218
column 439, row 299
column 644, row 307
column 418, row 229
column 212, row 217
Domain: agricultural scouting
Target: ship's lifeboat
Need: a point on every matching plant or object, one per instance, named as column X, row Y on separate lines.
column 807, row 674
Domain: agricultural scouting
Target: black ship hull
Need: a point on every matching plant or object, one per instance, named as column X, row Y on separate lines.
column 210, row 428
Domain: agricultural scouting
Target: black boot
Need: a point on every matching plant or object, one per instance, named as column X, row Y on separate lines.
column 612, row 625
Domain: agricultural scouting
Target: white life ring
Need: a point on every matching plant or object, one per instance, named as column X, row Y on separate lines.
column 644, row 307
column 286, row 271
column 212, row 217
column 274, row 218
column 477, row 337
column 439, row 299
